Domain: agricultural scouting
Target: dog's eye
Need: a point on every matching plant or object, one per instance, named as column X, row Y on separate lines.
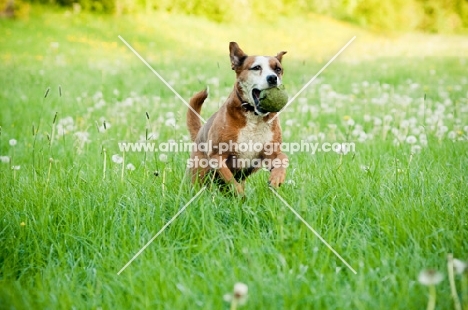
column 278, row 70
column 256, row 68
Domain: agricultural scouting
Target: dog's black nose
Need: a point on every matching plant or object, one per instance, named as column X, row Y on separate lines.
column 272, row 80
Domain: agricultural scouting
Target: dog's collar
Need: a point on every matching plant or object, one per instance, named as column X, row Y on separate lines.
column 245, row 105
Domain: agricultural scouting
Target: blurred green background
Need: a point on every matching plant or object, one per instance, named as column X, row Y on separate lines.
column 441, row 16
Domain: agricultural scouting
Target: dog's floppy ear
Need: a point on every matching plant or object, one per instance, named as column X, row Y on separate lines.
column 279, row 56
column 237, row 55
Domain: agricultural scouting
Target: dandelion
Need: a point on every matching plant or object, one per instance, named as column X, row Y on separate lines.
column 170, row 122
column 411, row 140
column 5, row 159
column 362, row 137
column 163, row 157
column 239, row 295
column 430, row 278
column 350, row 122
column 388, row 119
column 153, row 135
column 117, row 159
column 15, row 167
column 341, row 149
column 404, row 123
column 12, row 142
column 364, row 168
column 130, row 167
column 452, row 135
column 459, row 266
column 415, row 149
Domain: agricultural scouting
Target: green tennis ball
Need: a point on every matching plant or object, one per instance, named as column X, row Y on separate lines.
column 273, row 99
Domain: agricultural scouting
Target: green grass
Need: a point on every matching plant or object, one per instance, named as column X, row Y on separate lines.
column 390, row 213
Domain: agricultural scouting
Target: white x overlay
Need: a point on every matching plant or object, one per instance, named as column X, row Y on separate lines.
column 161, row 230
column 161, row 78
column 312, row 79
column 314, row 231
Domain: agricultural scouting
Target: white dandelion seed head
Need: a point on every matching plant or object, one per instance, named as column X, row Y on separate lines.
column 153, row 135
column 163, row 157
column 377, row 121
column 350, row 122
column 459, row 266
column 5, row 159
column 416, row 131
column 82, row 136
column 170, row 122
column 364, row 168
column 362, row 137
column 312, row 138
column 341, row 149
column 404, row 123
column 15, row 167
column 12, row 142
column 240, row 290
column 130, row 167
column 430, row 277
column 117, row 159
column 387, row 119
column 367, row 118
column 452, row 135
column 411, row 140
column 443, row 129
column 416, row 149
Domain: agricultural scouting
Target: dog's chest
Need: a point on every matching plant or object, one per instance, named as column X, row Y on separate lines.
column 253, row 137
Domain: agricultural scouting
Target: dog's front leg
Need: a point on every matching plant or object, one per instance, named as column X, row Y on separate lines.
column 278, row 169
column 226, row 174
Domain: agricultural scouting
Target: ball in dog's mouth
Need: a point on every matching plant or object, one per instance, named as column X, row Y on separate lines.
column 271, row 99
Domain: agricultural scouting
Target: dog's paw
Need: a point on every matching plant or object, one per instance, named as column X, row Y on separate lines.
column 277, row 177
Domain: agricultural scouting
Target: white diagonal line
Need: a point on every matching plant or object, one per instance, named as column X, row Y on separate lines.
column 161, row 230
column 161, row 78
column 312, row 79
column 313, row 230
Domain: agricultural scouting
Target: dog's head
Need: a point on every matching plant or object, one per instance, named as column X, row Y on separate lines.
column 254, row 74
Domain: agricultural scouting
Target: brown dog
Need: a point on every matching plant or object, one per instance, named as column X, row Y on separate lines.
column 238, row 139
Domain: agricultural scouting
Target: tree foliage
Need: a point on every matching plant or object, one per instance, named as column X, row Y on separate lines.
column 399, row 15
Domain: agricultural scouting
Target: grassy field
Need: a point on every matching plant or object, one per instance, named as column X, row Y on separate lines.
column 71, row 217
